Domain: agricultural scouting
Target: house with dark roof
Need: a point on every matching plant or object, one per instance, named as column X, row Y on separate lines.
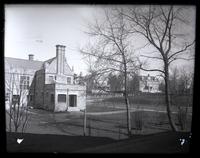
column 44, row 84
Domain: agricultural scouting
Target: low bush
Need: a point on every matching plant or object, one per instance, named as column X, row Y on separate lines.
column 182, row 117
column 137, row 120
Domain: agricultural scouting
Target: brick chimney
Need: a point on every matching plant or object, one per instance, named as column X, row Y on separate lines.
column 30, row 57
column 60, row 55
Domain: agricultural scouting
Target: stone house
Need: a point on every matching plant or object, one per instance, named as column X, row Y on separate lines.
column 47, row 85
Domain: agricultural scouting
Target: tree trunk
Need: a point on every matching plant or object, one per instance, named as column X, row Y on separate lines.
column 128, row 115
column 10, row 102
column 16, row 128
column 10, row 117
column 167, row 99
column 127, row 102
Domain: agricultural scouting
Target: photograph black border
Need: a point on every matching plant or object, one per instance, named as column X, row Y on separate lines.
column 196, row 107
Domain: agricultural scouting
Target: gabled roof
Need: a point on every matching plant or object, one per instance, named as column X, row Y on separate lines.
column 23, row 63
column 67, row 70
column 50, row 60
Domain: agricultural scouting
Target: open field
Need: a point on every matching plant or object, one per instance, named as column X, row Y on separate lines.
column 104, row 119
column 144, row 99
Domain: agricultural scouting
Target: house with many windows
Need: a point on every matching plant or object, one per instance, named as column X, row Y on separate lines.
column 44, row 84
column 149, row 84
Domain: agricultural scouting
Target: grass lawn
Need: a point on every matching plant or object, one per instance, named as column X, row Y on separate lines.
column 153, row 120
column 139, row 102
column 151, row 99
column 104, row 125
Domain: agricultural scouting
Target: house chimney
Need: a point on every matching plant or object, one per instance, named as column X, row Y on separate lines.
column 30, row 57
column 60, row 55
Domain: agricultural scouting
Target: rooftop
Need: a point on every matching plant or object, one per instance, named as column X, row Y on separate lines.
column 24, row 63
column 33, row 64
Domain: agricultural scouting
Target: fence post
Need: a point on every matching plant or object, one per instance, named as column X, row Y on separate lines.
column 89, row 128
column 84, row 123
column 119, row 132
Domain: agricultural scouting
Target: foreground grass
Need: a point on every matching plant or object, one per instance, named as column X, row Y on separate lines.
column 167, row 142
column 104, row 125
column 52, row 143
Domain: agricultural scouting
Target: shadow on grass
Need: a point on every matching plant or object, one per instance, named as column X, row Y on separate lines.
column 52, row 143
column 67, row 126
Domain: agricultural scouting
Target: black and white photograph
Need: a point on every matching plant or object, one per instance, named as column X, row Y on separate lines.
column 86, row 78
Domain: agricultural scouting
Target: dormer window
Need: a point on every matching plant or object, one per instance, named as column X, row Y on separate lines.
column 68, row 80
column 51, row 78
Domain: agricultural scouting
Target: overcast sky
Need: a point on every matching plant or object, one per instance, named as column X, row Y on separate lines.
column 36, row 29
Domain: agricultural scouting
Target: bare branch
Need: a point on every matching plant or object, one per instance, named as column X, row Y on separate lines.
column 169, row 34
column 166, row 26
column 151, row 57
column 181, row 51
column 144, row 69
column 101, row 57
column 142, row 46
column 158, row 70
column 180, row 58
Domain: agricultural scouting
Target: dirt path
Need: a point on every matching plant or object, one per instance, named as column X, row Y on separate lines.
column 132, row 110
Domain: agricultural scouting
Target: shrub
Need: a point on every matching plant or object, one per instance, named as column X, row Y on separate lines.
column 137, row 120
column 182, row 117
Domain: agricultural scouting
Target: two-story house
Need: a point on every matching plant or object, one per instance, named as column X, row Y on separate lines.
column 48, row 85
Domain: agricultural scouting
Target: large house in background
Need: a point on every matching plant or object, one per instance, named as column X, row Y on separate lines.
column 140, row 83
column 149, row 84
column 48, row 85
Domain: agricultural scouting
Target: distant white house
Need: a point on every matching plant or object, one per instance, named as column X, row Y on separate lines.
column 149, row 84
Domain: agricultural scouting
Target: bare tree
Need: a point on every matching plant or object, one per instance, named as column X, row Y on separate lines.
column 111, row 51
column 185, row 82
column 16, row 100
column 160, row 27
column 134, row 83
column 115, row 82
column 181, row 96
